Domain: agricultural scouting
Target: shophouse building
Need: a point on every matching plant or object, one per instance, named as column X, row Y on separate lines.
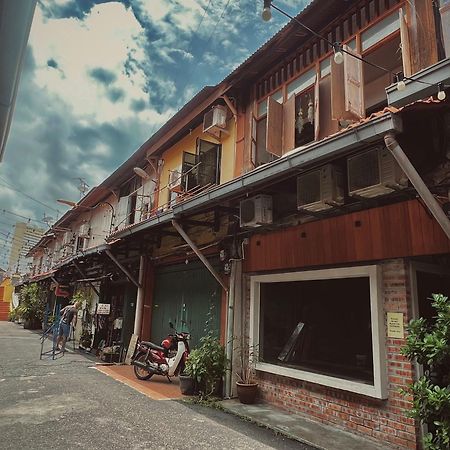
column 302, row 202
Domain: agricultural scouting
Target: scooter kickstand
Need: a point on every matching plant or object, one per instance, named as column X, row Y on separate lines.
column 170, row 381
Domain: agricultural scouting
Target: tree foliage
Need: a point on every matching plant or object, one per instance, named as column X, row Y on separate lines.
column 428, row 343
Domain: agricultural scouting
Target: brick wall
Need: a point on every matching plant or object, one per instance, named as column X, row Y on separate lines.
column 381, row 420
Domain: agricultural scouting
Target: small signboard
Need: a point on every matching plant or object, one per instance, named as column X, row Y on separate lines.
column 395, row 325
column 131, row 348
column 103, row 308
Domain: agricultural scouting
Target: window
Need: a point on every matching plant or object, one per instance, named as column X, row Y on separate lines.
column 321, row 326
column 80, row 244
column 375, row 81
column 202, row 168
column 304, row 120
column 131, row 211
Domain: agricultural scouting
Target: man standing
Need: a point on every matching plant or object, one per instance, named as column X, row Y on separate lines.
column 68, row 318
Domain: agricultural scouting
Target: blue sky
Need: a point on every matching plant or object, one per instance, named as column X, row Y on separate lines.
column 100, row 77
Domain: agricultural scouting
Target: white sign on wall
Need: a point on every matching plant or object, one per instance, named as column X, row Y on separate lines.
column 103, row 308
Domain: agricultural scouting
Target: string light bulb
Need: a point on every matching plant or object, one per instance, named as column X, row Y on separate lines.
column 338, row 55
column 401, row 86
column 441, row 93
column 267, row 12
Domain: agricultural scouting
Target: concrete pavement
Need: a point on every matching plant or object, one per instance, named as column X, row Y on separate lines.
column 66, row 403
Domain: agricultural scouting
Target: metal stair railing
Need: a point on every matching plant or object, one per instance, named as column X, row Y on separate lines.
column 52, row 333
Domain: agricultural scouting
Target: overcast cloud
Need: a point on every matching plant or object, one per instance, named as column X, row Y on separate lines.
column 100, row 77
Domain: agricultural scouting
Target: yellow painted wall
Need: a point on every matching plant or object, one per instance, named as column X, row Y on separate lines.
column 7, row 291
column 173, row 157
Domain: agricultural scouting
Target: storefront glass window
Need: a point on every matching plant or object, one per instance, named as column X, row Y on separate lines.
column 321, row 326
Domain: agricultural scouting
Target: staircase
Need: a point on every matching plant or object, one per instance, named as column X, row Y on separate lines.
column 4, row 310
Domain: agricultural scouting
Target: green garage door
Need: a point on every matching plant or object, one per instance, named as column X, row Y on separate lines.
column 185, row 294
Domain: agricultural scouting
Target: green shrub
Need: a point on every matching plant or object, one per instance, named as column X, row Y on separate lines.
column 32, row 301
column 207, row 364
column 428, row 343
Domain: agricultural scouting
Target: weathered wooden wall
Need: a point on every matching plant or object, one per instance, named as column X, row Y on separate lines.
column 398, row 230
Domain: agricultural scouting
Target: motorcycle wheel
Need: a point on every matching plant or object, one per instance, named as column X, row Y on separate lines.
column 141, row 374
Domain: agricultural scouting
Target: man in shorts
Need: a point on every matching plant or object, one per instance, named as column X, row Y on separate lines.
column 68, row 317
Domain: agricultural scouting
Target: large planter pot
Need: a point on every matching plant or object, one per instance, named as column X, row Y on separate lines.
column 247, row 392
column 32, row 324
column 187, row 385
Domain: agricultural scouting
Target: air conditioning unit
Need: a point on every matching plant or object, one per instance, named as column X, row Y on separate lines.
column 256, row 211
column 215, row 121
column 321, row 189
column 175, row 181
column 84, row 231
column 373, row 173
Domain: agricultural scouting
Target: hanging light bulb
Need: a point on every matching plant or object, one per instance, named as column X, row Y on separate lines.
column 401, row 86
column 441, row 93
column 338, row 55
column 266, row 13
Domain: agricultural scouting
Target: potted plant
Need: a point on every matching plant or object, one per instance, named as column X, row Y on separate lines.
column 246, row 385
column 428, row 343
column 206, row 365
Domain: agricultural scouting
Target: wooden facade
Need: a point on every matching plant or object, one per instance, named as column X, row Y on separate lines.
column 399, row 230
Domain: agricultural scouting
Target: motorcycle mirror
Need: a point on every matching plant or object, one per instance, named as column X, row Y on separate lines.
column 171, row 325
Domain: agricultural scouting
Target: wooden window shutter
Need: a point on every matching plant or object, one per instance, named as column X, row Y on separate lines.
column 337, row 91
column 353, row 85
column 274, row 130
column 316, row 109
column 253, row 142
column 289, row 124
column 406, row 48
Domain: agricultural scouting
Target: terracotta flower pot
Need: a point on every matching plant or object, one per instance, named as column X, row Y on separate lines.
column 247, row 392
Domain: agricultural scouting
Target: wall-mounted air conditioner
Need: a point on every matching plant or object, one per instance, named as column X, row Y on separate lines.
column 84, row 231
column 256, row 211
column 373, row 173
column 320, row 189
column 215, row 121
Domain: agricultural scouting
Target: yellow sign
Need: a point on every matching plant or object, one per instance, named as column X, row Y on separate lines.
column 395, row 325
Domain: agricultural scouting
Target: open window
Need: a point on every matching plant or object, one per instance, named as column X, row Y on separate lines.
column 375, row 80
column 208, row 170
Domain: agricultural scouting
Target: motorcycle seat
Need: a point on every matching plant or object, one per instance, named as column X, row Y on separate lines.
column 153, row 346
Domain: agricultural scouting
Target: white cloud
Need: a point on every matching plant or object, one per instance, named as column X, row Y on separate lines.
column 109, row 37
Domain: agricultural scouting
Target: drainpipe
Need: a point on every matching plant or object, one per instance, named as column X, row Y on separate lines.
column 421, row 188
column 139, row 298
column 229, row 297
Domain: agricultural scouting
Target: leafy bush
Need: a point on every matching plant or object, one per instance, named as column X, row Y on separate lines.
column 32, row 301
column 13, row 315
column 428, row 343
column 207, row 364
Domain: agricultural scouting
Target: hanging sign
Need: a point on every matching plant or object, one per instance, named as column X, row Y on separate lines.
column 103, row 308
column 62, row 291
column 395, row 325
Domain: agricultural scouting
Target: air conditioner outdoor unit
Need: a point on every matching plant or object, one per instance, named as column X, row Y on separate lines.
column 373, row 173
column 256, row 211
column 320, row 189
column 84, row 231
column 215, row 121
column 175, row 180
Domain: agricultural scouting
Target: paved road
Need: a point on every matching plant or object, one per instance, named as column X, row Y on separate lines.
column 68, row 404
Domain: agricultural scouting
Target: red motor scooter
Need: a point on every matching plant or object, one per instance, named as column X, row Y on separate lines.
column 167, row 359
